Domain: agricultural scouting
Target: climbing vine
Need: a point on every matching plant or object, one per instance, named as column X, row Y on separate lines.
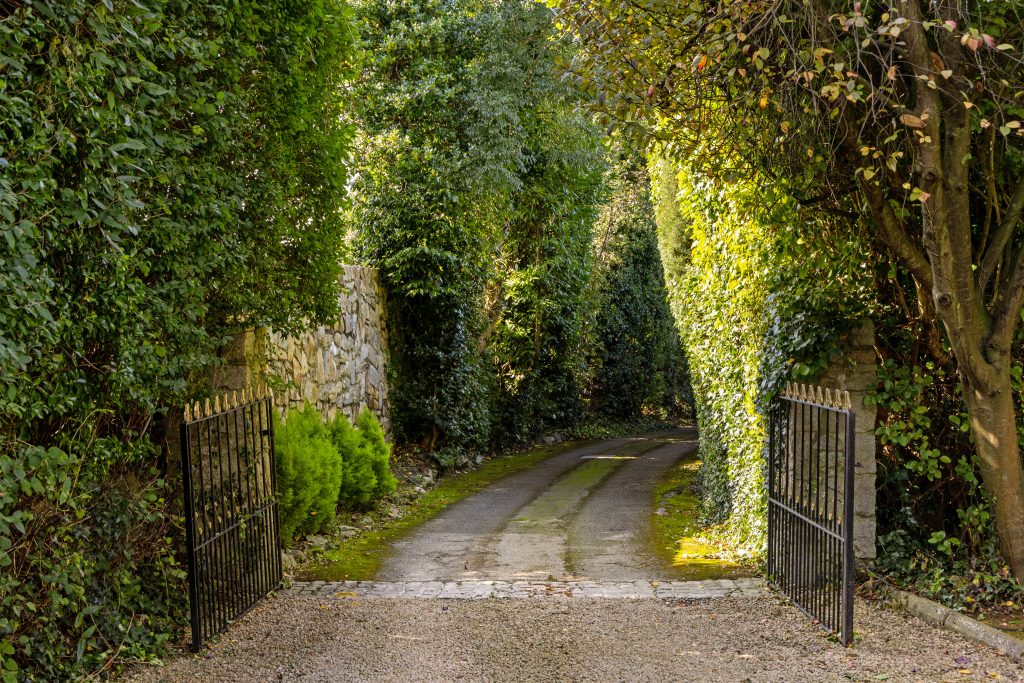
column 760, row 296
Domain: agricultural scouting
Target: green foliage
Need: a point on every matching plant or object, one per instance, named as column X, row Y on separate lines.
column 372, row 440
column 88, row 575
column 759, row 294
column 937, row 533
column 360, row 480
column 639, row 358
column 941, row 568
column 169, row 171
column 309, row 473
column 476, row 188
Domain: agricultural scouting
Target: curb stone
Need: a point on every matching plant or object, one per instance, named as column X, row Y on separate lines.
column 478, row 590
column 951, row 620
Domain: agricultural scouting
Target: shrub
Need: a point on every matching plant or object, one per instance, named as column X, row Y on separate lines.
column 371, row 438
column 309, row 474
column 360, row 480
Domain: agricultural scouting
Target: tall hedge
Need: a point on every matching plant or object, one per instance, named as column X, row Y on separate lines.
column 477, row 183
column 760, row 293
column 169, row 171
column 638, row 362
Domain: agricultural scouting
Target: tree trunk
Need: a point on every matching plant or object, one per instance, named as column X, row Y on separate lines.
column 994, row 426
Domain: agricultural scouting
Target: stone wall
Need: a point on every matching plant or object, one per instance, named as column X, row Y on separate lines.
column 337, row 368
column 855, row 372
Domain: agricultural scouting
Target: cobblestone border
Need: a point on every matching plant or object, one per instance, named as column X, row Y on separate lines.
column 480, row 590
column 951, row 620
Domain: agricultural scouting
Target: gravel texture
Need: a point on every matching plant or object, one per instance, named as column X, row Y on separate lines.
column 762, row 638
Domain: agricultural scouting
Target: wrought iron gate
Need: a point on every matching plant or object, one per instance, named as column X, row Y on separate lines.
column 810, row 503
column 231, row 525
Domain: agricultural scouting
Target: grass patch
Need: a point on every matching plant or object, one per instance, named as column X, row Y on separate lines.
column 358, row 558
column 676, row 532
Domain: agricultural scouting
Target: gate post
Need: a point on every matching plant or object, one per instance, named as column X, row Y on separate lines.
column 855, row 371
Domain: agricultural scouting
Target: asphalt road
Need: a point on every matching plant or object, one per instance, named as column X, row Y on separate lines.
column 581, row 515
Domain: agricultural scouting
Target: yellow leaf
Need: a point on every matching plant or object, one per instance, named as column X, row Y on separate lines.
column 911, row 121
column 868, row 174
column 764, row 101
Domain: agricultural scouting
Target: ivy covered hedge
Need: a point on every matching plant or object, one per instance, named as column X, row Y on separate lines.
column 168, row 172
column 760, row 295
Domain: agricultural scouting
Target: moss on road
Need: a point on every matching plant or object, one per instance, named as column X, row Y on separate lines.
column 358, row 558
column 676, row 529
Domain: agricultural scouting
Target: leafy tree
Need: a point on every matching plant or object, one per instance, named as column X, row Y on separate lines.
column 476, row 183
column 638, row 347
column 907, row 115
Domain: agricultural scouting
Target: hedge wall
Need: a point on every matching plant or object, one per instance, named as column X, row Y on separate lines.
column 168, row 172
column 759, row 294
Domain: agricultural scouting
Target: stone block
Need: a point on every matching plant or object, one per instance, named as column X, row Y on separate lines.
column 864, row 537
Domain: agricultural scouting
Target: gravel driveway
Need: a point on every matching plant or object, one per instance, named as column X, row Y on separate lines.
column 762, row 638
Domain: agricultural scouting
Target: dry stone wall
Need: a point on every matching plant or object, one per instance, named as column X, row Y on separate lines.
column 338, row 368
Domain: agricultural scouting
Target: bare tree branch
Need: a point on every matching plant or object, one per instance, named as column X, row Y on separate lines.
column 1001, row 238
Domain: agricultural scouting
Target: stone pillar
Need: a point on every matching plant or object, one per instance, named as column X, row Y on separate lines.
column 855, row 372
column 244, row 362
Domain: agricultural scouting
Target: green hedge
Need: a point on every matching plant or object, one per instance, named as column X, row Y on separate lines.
column 760, row 297
column 168, row 172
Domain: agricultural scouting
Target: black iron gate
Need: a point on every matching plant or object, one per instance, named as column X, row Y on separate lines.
column 810, row 503
column 231, row 526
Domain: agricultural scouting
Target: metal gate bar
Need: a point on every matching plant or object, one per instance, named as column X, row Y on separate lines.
column 231, row 524
column 810, row 503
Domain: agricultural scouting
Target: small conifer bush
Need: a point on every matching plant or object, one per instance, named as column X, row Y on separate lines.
column 371, row 435
column 359, row 481
column 310, row 472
